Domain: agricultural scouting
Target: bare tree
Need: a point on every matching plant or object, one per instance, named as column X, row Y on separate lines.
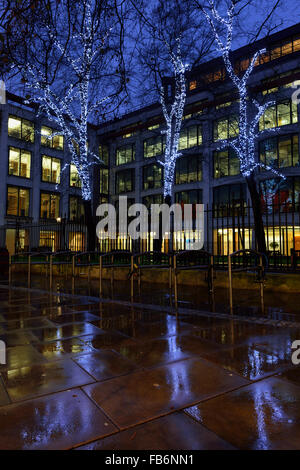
column 74, row 69
column 250, row 110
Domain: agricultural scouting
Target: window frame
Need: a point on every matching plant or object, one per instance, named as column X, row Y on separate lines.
column 19, row 188
column 132, row 147
column 22, row 122
column 42, row 169
column 20, row 156
column 50, row 140
column 132, row 179
column 50, row 193
column 277, row 139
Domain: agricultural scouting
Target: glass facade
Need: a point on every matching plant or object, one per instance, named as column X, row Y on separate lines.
column 281, row 114
column 125, row 154
column 104, row 153
column 125, row 181
column 280, row 151
column 152, row 177
column 154, row 146
column 188, row 169
column 229, row 199
column 190, row 137
column 226, row 128
column 226, row 163
column 104, row 181
column 278, row 195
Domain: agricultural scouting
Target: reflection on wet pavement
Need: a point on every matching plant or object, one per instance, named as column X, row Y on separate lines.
column 117, row 376
column 264, row 415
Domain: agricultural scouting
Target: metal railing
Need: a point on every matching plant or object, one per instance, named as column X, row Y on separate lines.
column 152, row 260
column 249, row 261
column 193, row 260
column 112, row 260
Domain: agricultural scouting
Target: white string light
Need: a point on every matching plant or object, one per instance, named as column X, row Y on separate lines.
column 173, row 119
column 244, row 144
column 59, row 109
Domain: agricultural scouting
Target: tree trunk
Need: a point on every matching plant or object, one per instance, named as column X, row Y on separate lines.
column 158, row 243
column 90, row 225
column 257, row 214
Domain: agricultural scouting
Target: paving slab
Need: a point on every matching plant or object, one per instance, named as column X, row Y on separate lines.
column 292, row 375
column 176, row 431
column 105, row 364
column 21, row 356
column 263, row 415
column 63, row 348
column 109, row 340
column 33, row 381
column 248, row 361
column 163, row 351
column 64, row 332
column 58, row 421
column 147, row 394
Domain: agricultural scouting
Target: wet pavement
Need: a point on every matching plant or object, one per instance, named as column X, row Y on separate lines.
column 84, row 374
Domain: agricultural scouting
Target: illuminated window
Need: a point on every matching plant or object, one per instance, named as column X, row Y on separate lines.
column 280, row 195
column 48, row 140
column 152, row 199
column 75, row 181
column 190, row 137
column 49, row 205
column 281, row 114
column 229, row 199
column 154, row 146
column 152, row 128
column 226, row 163
column 76, row 208
column 19, row 162
column 21, row 129
column 280, row 151
column 296, row 43
column 125, row 181
column 50, row 169
column 125, row 154
column 152, row 177
column 226, row 128
column 189, row 169
column 104, row 153
column 17, row 201
column 104, row 181
column 193, row 85
column 193, row 196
